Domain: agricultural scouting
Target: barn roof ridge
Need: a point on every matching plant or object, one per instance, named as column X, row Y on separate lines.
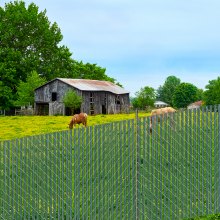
column 91, row 85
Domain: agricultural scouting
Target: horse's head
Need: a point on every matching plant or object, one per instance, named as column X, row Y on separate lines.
column 70, row 124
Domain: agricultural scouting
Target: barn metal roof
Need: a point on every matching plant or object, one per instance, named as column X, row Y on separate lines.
column 94, row 85
column 91, row 85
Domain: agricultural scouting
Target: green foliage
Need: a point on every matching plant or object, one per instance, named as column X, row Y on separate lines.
column 165, row 93
column 89, row 71
column 29, row 42
column 26, row 89
column 5, row 96
column 185, row 94
column 72, row 100
column 144, row 98
column 200, row 94
column 159, row 93
column 212, row 93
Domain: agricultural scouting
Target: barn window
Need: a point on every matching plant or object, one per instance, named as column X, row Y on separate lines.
column 54, row 96
column 105, row 99
column 91, row 97
column 92, row 110
column 117, row 100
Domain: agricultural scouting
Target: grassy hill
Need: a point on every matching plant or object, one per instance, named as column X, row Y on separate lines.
column 12, row 127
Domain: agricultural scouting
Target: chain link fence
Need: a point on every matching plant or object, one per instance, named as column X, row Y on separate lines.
column 167, row 168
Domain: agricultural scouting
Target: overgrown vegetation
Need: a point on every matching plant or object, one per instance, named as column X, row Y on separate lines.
column 72, row 100
column 25, row 90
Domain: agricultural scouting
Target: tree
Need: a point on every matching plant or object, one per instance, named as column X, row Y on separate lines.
column 212, row 92
column 134, row 102
column 26, row 89
column 185, row 94
column 165, row 92
column 5, row 96
column 72, row 100
column 144, row 98
column 159, row 93
column 200, row 94
column 28, row 42
column 90, row 71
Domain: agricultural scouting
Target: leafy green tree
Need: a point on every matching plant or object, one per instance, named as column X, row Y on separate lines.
column 159, row 93
column 72, row 100
column 200, row 94
column 90, row 71
column 26, row 89
column 5, row 96
column 165, row 92
column 144, row 98
column 212, row 92
column 184, row 94
column 134, row 102
column 28, row 41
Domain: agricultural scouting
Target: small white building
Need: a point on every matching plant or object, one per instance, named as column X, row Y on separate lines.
column 160, row 104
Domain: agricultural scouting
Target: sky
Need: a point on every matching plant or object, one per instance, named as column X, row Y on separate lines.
column 142, row 42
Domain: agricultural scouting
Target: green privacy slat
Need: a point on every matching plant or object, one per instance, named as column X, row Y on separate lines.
column 218, row 156
column 116, row 171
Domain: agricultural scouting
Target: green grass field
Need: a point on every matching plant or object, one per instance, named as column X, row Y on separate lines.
column 12, row 127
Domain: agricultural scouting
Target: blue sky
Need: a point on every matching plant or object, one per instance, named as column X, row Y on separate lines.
column 141, row 43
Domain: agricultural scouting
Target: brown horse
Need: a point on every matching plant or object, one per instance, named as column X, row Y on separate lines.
column 78, row 119
column 162, row 112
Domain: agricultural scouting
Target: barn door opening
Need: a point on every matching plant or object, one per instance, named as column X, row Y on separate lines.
column 68, row 111
column 118, row 104
column 103, row 109
column 42, row 109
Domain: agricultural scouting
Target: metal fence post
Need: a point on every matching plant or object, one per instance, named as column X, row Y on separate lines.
column 218, row 168
column 136, row 152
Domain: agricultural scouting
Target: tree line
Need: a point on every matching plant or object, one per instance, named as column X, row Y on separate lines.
column 177, row 94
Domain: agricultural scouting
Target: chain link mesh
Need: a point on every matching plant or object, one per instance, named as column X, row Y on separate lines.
column 137, row 169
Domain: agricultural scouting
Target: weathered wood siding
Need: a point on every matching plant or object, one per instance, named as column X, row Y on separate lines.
column 93, row 102
column 106, row 100
column 44, row 94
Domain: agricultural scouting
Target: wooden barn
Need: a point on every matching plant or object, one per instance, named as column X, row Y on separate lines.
column 99, row 97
